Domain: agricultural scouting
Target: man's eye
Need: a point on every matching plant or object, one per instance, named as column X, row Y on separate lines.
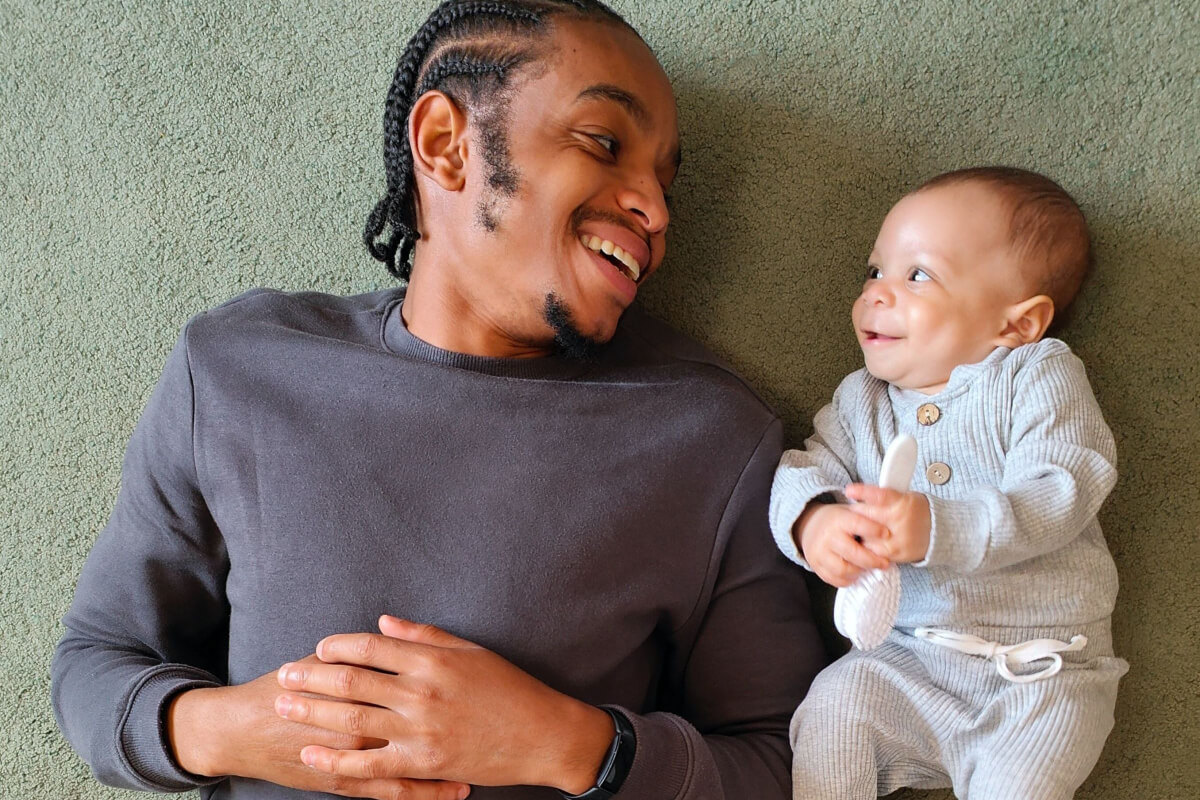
column 918, row 275
column 608, row 143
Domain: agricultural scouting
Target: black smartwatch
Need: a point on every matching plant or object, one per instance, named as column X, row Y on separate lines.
column 616, row 764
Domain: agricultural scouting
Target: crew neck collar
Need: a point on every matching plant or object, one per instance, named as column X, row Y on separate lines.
column 398, row 340
column 961, row 378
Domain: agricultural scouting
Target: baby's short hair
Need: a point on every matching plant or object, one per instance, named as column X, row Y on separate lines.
column 1047, row 228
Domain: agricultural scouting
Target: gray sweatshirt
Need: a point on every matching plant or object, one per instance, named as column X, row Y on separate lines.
column 1015, row 459
column 305, row 464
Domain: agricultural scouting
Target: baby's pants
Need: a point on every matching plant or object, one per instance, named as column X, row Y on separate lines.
column 913, row 713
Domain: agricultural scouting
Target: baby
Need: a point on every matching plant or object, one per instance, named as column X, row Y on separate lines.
column 997, row 543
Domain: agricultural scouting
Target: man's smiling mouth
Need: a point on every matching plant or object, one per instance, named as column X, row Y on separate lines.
column 623, row 261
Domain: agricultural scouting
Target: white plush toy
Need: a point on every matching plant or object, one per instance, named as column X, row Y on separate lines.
column 865, row 610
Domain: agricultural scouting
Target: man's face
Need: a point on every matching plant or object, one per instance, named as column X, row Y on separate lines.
column 574, row 216
column 940, row 280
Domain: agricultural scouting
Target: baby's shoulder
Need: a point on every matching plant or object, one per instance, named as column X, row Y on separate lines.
column 1047, row 361
column 1028, row 355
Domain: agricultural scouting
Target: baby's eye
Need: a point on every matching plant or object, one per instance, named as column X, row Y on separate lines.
column 873, row 273
column 918, row 275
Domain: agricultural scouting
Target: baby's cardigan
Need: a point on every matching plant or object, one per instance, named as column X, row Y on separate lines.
column 1029, row 460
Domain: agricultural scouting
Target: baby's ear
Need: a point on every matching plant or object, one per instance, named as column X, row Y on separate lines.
column 1028, row 320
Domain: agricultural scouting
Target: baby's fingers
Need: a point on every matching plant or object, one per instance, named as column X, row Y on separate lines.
column 857, row 555
column 872, row 495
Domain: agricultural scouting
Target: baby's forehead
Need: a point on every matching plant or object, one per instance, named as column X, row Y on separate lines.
column 984, row 200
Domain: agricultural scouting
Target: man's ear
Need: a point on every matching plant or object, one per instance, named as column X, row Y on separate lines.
column 437, row 133
column 1027, row 321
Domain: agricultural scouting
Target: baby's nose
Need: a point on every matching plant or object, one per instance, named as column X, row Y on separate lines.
column 877, row 293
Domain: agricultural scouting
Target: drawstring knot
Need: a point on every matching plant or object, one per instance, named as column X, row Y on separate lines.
column 1007, row 656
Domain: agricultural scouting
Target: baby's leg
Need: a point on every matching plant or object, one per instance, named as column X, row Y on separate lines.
column 859, row 732
column 1040, row 740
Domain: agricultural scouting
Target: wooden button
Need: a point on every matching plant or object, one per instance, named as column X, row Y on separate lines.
column 938, row 473
column 928, row 414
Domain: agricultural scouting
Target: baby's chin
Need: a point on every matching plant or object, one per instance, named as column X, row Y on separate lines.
column 925, row 384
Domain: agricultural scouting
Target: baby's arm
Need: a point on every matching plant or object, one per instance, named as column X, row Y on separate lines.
column 822, row 536
column 1059, row 468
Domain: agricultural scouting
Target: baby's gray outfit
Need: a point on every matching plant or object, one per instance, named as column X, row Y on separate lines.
column 1016, row 459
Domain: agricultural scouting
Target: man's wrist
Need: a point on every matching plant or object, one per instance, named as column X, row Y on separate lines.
column 187, row 726
column 584, row 739
column 617, row 762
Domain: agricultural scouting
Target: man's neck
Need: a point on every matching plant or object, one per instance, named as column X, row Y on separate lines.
column 438, row 313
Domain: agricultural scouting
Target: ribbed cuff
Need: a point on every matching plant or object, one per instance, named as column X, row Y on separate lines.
column 788, row 509
column 664, row 756
column 955, row 538
column 143, row 731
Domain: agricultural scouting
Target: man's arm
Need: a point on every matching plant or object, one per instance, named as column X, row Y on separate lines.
column 148, row 618
column 138, row 677
column 742, row 664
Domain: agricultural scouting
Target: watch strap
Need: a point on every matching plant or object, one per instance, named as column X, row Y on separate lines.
column 617, row 761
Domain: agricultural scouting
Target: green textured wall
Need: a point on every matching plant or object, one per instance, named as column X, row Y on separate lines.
column 160, row 157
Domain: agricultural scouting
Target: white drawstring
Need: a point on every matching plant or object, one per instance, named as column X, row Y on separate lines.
column 1004, row 655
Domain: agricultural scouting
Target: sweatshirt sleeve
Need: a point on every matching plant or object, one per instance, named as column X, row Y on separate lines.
column 1060, row 466
column 824, row 466
column 738, row 669
column 149, row 615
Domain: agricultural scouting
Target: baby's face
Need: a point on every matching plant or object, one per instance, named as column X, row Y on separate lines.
column 940, row 283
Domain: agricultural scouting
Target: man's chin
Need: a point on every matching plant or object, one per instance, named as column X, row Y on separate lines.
column 569, row 341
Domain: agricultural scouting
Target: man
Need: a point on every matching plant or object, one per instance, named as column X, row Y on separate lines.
column 574, row 495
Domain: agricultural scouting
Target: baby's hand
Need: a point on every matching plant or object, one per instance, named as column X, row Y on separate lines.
column 831, row 536
column 903, row 516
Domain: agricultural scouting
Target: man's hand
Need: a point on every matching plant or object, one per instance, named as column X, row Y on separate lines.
column 905, row 516
column 831, row 538
column 448, row 709
column 234, row 730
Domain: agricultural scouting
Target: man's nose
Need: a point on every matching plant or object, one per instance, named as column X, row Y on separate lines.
column 647, row 202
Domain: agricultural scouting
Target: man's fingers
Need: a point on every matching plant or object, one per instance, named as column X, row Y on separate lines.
column 381, row 764
column 355, row 719
column 339, row 681
column 400, row 789
column 419, row 633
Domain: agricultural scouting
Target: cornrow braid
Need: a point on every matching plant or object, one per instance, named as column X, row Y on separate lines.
column 469, row 48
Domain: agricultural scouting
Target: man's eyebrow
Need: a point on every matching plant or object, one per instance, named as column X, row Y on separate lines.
column 607, row 91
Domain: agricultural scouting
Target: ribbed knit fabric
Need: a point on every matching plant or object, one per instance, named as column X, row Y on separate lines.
column 912, row 713
column 1015, row 459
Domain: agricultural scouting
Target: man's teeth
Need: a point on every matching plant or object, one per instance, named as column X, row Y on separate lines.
column 611, row 249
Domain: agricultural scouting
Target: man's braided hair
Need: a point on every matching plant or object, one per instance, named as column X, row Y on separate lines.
column 468, row 49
